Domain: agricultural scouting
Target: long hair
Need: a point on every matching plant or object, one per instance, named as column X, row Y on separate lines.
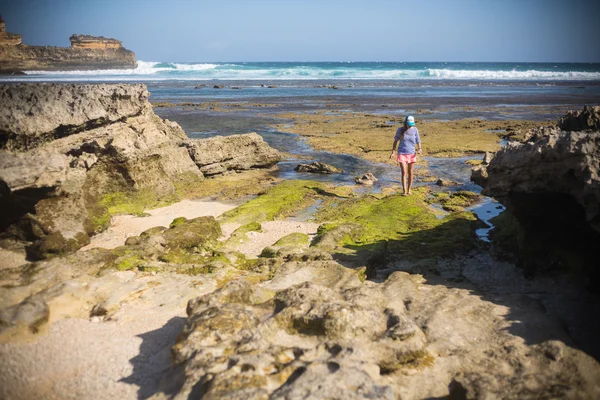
column 406, row 128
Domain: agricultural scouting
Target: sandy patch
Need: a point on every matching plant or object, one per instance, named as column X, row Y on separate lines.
column 124, row 226
column 272, row 231
column 87, row 358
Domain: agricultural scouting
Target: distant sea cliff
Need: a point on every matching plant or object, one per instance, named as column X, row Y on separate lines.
column 86, row 53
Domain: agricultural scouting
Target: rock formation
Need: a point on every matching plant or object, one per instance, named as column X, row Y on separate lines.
column 342, row 338
column 318, row 168
column 7, row 38
column 94, row 42
column 219, row 154
column 366, row 179
column 65, row 148
column 551, row 182
column 86, row 52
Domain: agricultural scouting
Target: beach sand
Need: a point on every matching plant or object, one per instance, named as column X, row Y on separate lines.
column 123, row 357
column 124, row 226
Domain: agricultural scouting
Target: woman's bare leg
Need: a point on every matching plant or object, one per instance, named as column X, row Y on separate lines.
column 411, row 166
column 404, row 168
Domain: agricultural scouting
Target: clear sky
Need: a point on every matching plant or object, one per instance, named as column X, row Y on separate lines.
column 321, row 30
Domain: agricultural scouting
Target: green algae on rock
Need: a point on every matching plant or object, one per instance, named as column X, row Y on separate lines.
column 394, row 224
column 134, row 202
column 279, row 201
column 293, row 239
column 292, row 243
column 455, row 201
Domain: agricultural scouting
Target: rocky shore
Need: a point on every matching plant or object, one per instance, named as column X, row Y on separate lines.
column 86, row 53
column 375, row 296
column 71, row 153
column 550, row 185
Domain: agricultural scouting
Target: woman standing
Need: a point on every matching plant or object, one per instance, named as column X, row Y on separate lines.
column 410, row 143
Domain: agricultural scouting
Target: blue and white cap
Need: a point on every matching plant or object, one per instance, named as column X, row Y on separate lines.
column 410, row 120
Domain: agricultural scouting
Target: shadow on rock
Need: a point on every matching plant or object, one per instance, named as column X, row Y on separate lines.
column 154, row 358
column 546, row 307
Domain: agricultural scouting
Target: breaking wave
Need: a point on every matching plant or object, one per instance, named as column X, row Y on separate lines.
column 153, row 70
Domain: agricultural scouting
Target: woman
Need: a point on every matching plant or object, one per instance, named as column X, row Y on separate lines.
column 408, row 136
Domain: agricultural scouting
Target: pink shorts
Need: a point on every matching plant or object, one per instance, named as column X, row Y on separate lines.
column 407, row 158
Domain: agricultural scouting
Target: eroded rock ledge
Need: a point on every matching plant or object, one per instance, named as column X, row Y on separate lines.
column 86, row 52
column 64, row 147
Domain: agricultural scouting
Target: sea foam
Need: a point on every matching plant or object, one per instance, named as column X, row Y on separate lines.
column 154, row 70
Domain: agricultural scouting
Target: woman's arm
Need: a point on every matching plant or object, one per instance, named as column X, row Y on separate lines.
column 396, row 140
column 394, row 148
column 419, row 146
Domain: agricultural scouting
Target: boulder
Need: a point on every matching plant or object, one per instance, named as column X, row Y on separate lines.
column 318, row 168
column 445, row 182
column 479, row 175
column 487, row 157
column 231, row 153
column 366, row 179
column 315, row 330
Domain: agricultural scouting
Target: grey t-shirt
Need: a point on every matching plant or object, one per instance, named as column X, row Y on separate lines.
column 411, row 138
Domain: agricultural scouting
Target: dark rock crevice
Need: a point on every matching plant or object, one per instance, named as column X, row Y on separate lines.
column 550, row 184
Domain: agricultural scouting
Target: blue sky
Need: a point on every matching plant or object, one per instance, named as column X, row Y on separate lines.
column 321, row 30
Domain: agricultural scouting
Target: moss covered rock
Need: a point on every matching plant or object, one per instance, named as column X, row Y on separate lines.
column 279, row 201
column 194, row 233
column 455, row 201
column 394, row 224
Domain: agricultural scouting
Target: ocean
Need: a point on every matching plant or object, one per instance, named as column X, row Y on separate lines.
column 285, row 71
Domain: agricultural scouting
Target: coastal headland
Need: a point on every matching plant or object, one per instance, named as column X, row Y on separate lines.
column 142, row 260
column 86, row 53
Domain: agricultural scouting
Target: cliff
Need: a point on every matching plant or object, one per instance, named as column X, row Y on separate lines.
column 65, row 148
column 86, row 53
column 7, row 38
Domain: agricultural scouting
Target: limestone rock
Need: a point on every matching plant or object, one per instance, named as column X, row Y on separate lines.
column 7, row 38
column 487, row 157
column 341, row 340
column 479, row 175
column 232, row 153
column 35, row 113
column 63, row 147
column 318, row 168
column 31, row 313
column 550, row 185
column 94, row 42
column 86, row 52
column 315, row 330
column 587, row 119
column 564, row 163
column 445, row 182
column 366, row 179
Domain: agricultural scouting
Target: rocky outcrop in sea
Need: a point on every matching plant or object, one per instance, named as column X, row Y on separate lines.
column 86, row 53
column 65, row 150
